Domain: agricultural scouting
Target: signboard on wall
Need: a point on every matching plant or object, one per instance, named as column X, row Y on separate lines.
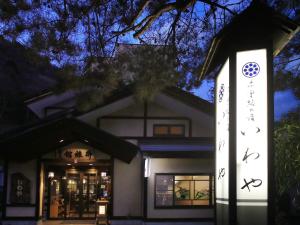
column 222, row 135
column 77, row 155
column 20, row 189
column 252, row 128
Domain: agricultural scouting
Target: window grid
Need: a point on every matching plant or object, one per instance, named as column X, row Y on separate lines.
column 169, row 130
column 191, row 192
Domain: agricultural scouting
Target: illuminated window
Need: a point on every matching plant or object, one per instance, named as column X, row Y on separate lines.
column 179, row 191
column 168, row 130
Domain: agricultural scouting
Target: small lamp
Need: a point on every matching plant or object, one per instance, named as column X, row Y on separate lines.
column 51, row 175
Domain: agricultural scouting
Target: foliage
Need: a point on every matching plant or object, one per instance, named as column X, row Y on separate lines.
column 76, row 35
column 71, row 33
column 287, row 165
column 150, row 69
column 137, row 66
column 287, row 155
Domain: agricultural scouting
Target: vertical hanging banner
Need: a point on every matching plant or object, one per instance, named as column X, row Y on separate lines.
column 252, row 129
column 222, row 143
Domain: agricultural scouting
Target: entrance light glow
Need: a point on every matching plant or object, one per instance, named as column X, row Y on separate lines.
column 51, row 175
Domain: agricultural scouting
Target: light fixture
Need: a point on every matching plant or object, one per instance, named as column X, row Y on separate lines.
column 103, row 174
column 50, row 175
column 69, row 164
column 147, row 167
column 61, row 140
column 91, row 164
column 85, row 140
column 64, row 177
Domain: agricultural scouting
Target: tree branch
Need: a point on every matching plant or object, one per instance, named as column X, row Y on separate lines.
column 173, row 28
column 139, row 12
column 151, row 18
column 286, row 62
column 145, row 23
column 182, row 6
column 211, row 3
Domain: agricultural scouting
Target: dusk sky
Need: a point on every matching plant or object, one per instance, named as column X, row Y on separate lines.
column 284, row 101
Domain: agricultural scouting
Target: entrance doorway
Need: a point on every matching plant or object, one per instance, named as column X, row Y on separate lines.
column 73, row 192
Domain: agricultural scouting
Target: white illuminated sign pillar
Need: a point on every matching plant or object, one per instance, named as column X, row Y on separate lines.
column 244, row 115
column 222, row 135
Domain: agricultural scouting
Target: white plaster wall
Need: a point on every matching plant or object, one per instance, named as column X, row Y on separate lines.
column 136, row 109
column 20, row 211
column 127, row 188
column 162, row 106
column 205, row 129
column 29, row 170
column 202, row 123
column 155, row 109
column 135, row 127
column 177, row 166
column 91, row 117
column 123, row 127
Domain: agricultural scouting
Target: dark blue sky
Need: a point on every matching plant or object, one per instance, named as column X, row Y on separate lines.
column 284, row 101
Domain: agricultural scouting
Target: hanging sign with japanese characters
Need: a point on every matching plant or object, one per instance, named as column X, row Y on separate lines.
column 252, row 127
column 222, row 134
column 20, row 189
column 77, row 155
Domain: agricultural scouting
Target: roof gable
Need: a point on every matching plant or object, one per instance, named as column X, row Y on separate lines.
column 172, row 99
column 184, row 99
column 47, row 137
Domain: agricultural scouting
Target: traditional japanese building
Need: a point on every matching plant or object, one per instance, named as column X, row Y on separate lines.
column 151, row 162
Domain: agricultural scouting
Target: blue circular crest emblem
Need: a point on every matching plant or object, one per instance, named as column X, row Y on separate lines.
column 251, row 69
